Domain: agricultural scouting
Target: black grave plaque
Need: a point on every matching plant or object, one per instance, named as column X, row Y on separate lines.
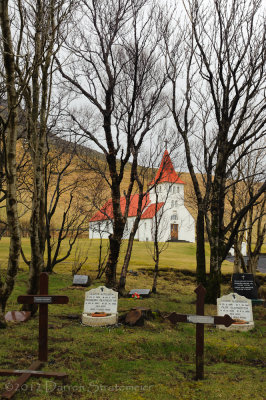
column 141, row 292
column 244, row 285
column 81, row 280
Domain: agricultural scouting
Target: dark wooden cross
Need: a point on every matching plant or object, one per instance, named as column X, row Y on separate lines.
column 43, row 300
column 200, row 319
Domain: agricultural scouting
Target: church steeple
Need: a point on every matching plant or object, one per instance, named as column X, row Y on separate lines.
column 166, row 171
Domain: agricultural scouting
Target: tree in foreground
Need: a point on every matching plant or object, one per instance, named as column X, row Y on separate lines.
column 9, row 140
column 116, row 69
column 218, row 108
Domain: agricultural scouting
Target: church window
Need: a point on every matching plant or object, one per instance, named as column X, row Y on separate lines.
column 172, row 203
column 177, row 190
column 174, row 189
column 176, row 203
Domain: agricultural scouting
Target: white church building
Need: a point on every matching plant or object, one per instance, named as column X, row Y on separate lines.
column 172, row 218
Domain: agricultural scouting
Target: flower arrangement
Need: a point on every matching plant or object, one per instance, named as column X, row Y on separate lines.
column 136, row 296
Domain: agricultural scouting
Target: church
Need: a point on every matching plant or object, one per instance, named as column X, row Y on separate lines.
column 168, row 214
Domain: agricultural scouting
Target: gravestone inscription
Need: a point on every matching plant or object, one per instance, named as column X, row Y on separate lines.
column 244, row 285
column 239, row 308
column 100, row 301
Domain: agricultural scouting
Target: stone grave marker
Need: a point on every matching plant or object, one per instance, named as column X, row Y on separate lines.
column 100, row 307
column 239, row 308
column 81, row 280
column 244, row 285
column 141, row 292
column 17, row 316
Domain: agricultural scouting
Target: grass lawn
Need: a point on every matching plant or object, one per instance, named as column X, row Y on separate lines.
column 177, row 255
column 156, row 361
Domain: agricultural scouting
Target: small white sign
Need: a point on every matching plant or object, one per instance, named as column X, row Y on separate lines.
column 200, row 319
column 238, row 307
column 101, row 299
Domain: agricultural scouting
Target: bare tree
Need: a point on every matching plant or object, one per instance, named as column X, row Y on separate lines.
column 159, row 226
column 244, row 182
column 116, row 67
column 9, row 141
column 39, row 39
column 219, row 108
column 66, row 217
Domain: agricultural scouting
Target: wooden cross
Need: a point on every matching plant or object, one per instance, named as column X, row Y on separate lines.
column 200, row 319
column 43, row 299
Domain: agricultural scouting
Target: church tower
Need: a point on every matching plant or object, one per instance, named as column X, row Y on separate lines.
column 168, row 185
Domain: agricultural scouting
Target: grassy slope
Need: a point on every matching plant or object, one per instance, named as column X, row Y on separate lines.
column 158, row 356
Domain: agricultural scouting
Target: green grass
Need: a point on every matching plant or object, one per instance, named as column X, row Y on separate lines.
column 177, row 255
column 156, row 361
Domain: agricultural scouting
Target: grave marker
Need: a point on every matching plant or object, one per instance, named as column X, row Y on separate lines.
column 17, row 316
column 239, row 308
column 81, row 280
column 43, row 299
column 244, row 285
column 200, row 319
column 100, row 300
column 141, row 292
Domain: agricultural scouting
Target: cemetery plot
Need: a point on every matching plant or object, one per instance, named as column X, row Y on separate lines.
column 42, row 300
column 200, row 320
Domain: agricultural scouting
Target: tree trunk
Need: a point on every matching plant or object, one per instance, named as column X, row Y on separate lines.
column 11, row 171
column 155, row 276
column 123, row 276
column 214, row 281
column 200, row 253
column 115, row 240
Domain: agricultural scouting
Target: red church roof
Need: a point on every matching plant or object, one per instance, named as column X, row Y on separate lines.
column 151, row 210
column 166, row 172
column 106, row 211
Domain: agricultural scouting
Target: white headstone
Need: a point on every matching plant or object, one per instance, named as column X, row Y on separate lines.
column 100, row 300
column 239, row 308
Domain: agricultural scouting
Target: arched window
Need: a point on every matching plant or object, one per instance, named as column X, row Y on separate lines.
column 177, row 189
column 172, row 203
column 176, row 203
column 174, row 189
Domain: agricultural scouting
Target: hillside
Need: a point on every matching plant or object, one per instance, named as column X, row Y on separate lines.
column 80, row 181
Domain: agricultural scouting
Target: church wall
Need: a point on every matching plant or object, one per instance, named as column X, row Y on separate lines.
column 168, row 192
column 185, row 222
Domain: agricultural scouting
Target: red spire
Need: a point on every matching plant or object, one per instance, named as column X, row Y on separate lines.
column 166, row 172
